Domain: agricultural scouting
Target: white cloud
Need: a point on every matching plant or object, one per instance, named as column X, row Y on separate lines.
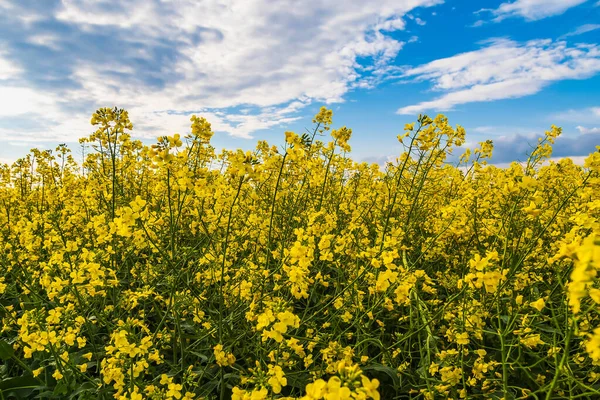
column 223, row 54
column 255, row 52
column 582, row 29
column 507, row 89
column 392, row 24
column 103, row 13
column 533, row 9
column 501, row 131
column 18, row 100
column 483, row 129
column 6, row 5
column 502, row 70
column 8, row 69
column 45, row 40
column 15, row 11
column 588, row 115
column 585, row 130
column 417, row 20
column 153, row 124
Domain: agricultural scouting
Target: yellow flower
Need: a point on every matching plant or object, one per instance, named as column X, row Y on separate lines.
column 28, row 352
column 592, row 345
column 370, row 387
column 315, row 390
column 57, row 375
column 174, row 390
column 462, row 338
column 223, row 358
column 164, row 379
column 335, row 390
column 277, row 379
column 532, row 209
column 136, row 396
column 539, row 304
column 478, row 263
column 260, row 394
column 290, row 137
column 532, row 340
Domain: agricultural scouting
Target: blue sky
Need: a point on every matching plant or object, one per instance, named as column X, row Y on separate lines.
column 505, row 70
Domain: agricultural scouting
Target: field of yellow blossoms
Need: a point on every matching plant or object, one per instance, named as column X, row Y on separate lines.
column 173, row 272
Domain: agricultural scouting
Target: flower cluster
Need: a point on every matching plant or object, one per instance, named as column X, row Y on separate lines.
column 172, row 271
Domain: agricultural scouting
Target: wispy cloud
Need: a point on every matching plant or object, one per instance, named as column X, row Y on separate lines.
column 417, row 20
column 8, row 69
column 504, row 69
column 583, row 129
column 45, row 40
column 493, row 131
column 588, row 115
column 532, row 10
column 582, row 29
column 166, row 60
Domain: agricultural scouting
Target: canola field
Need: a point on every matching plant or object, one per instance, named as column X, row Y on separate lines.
column 173, row 272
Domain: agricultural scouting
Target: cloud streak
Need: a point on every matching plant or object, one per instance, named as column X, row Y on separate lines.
column 584, row 130
column 582, row 29
column 588, row 115
column 502, row 70
column 532, row 10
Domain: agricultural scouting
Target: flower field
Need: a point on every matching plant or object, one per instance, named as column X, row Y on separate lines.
column 174, row 272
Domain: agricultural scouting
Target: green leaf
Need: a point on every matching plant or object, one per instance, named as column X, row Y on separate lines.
column 44, row 393
column 547, row 328
column 17, row 393
column 297, row 381
column 85, row 387
column 6, row 350
column 20, row 382
column 231, row 375
column 61, row 387
column 208, row 387
column 203, row 357
column 392, row 373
